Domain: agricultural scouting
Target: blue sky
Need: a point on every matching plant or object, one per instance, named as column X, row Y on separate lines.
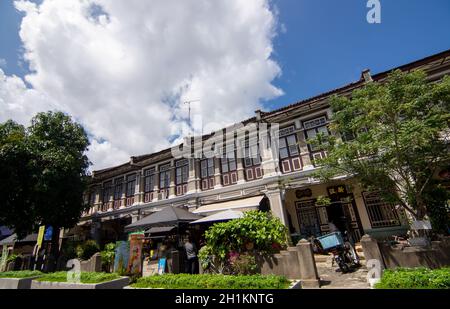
column 102, row 73
column 326, row 44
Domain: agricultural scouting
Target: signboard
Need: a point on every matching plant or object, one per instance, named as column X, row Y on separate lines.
column 40, row 235
column 337, row 190
column 121, row 256
column 161, row 266
column 135, row 260
column 48, row 233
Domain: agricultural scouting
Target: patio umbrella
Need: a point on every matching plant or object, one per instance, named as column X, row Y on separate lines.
column 168, row 216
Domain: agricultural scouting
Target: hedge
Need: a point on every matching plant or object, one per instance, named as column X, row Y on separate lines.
column 20, row 274
column 210, row 281
column 85, row 277
column 415, row 278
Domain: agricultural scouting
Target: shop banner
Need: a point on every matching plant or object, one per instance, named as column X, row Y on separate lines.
column 121, row 256
column 161, row 266
column 48, row 233
column 135, row 260
column 40, row 237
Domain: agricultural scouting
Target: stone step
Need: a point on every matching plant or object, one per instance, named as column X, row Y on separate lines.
column 321, row 258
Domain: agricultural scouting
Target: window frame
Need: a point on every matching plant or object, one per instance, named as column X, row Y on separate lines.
column 210, row 169
column 316, row 128
column 288, row 146
column 226, row 161
column 118, row 183
column 149, row 175
column 165, row 172
column 249, row 159
column 107, row 191
column 181, row 166
column 130, row 185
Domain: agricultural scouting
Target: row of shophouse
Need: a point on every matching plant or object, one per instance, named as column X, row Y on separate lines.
column 279, row 180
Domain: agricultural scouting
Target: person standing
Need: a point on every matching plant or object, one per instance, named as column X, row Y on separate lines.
column 191, row 256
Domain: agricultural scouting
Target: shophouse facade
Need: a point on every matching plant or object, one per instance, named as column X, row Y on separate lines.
column 279, row 179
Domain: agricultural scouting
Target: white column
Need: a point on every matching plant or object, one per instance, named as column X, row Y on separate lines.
column 274, row 195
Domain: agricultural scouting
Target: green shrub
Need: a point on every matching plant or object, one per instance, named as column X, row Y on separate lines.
column 85, row 277
column 108, row 256
column 20, row 274
column 209, row 281
column 12, row 257
column 415, row 278
column 256, row 233
column 87, row 249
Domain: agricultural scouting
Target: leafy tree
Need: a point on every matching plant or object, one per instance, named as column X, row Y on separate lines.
column 43, row 174
column 395, row 137
column 17, row 179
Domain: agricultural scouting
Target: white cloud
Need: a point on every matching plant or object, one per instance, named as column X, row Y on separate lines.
column 122, row 68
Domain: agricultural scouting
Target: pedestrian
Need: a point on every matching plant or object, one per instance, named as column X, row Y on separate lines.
column 191, row 256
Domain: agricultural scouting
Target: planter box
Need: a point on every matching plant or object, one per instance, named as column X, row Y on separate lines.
column 119, row 283
column 16, row 283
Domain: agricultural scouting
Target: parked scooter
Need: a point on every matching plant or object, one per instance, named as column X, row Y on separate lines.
column 343, row 252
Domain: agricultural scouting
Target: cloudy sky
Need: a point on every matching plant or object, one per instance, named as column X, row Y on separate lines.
column 124, row 68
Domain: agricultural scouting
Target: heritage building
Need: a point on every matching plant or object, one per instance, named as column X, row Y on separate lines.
column 123, row 194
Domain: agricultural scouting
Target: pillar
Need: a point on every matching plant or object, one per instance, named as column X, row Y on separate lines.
column 308, row 269
column 139, row 189
column 269, row 156
column 192, row 186
column 276, row 204
column 372, row 250
column 172, row 179
column 156, row 184
column 217, row 175
column 96, row 231
column 240, row 169
column 291, row 264
column 304, row 151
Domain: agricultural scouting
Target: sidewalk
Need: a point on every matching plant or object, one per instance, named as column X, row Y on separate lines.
column 331, row 279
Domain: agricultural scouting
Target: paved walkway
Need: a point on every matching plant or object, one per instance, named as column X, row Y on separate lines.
column 332, row 279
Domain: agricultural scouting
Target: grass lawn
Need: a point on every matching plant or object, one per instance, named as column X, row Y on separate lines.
column 415, row 278
column 86, row 277
column 20, row 274
column 209, row 281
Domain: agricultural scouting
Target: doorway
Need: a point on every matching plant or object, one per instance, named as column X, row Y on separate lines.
column 343, row 213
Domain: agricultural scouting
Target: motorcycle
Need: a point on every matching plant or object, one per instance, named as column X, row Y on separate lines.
column 343, row 252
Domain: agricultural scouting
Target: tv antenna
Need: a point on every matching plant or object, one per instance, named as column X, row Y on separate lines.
column 189, row 105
